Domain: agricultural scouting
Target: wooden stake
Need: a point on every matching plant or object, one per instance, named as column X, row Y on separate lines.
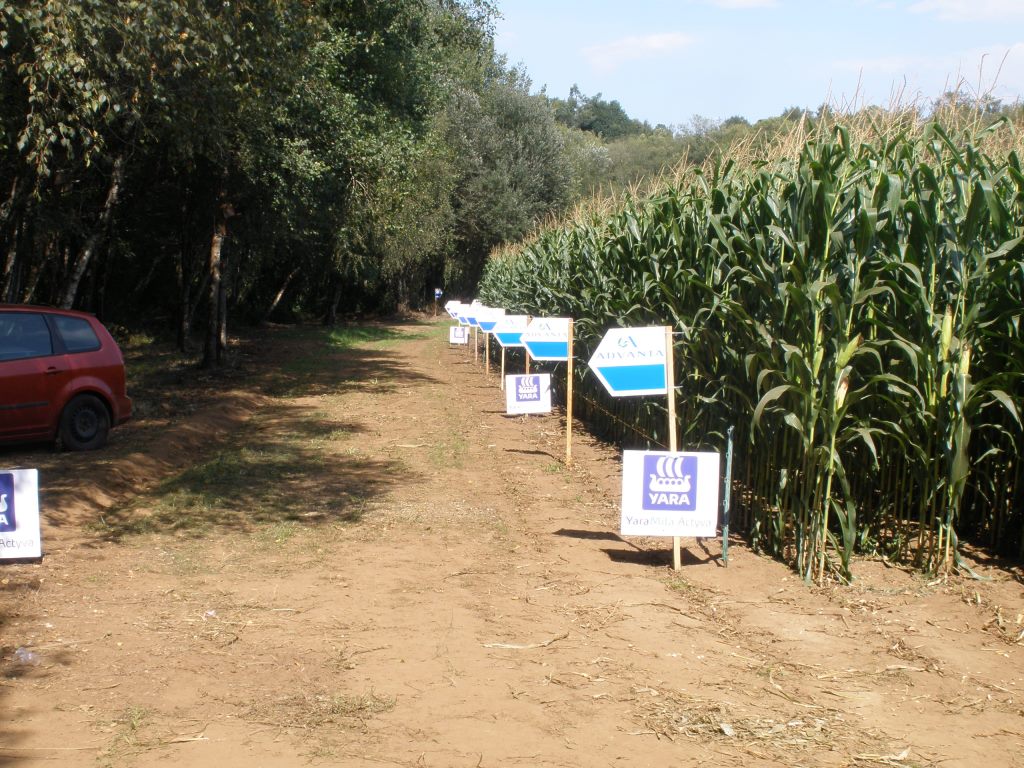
column 502, row 385
column 526, row 351
column 476, row 346
column 568, row 401
column 727, row 495
column 670, row 386
column 487, row 355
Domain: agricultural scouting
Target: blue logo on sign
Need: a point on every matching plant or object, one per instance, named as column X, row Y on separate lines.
column 670, row 483
column 528, row 389
column 7, row 521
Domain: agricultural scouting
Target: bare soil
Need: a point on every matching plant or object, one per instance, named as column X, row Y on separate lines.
column 349, row 555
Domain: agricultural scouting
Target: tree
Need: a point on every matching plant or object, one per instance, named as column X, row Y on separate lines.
column 512, row 168
column 606, row 119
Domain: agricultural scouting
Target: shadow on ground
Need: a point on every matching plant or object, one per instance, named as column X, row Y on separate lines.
column 290, row 464
column 248, row 455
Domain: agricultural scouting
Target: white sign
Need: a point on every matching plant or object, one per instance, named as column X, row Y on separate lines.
column 452, row 308
column 669, row 494
column 469, row 314
column 488, row 317
column 528, row 394
column 19, row 514
column 631, row 361
column 458, row 334
column 509, row 329
column 547, row 338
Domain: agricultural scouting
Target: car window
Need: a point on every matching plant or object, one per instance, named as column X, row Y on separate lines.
column 77, row 334
column 23, row 334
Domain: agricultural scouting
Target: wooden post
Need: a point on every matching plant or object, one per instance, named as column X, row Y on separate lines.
column 727, row 495
column 502, row 384
column 476, row 346
column 487, row 355
column 670, row 386
column 526, row 371
column 568, row 401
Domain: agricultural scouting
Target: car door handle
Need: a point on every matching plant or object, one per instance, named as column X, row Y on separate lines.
column 52, row 370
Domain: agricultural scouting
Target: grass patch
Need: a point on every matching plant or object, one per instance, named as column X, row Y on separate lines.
column 449, row 453
column 328, row 360
column 126, row 727
column 271, row 476
column 317, row 709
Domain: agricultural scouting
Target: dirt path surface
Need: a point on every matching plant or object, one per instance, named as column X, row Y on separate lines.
column 368, row 563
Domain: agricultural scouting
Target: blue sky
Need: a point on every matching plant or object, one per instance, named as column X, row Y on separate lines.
column 666, row 61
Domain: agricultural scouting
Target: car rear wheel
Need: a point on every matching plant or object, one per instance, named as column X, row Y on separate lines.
column 84, row 424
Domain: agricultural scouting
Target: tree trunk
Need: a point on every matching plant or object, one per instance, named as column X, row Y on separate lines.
column 96, row 236
column 8, row 287
column 8, row 211
column 280, row 294
column 211, row 353
column 184, row 307
column 199, row 293
column 222, row 309
column 332, row 309
column 36, row 271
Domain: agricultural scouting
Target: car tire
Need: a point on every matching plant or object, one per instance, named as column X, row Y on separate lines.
column 84, row 424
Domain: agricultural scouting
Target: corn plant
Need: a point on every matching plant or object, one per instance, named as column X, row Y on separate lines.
column 853, row 308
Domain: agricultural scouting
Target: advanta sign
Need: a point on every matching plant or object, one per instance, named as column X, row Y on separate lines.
column 509, row 330
column 632, row 361
column 547, row 338
column 488, row 317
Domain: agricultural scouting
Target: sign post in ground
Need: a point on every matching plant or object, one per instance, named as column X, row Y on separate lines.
column 550, row 339
column 508, row 331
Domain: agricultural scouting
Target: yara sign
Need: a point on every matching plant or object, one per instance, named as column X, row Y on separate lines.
column 19, row 514
column 669, row 494
column 528, row 394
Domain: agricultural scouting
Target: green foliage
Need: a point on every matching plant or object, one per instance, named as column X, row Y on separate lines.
column 331, row 136
column 510, row 159
column 593, row 114
column 855, row 311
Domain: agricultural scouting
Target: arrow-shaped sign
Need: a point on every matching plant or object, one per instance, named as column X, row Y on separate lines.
column 509, row 330
column 489, row 317
column 466, row 313
column 547, row 338
column 631, row 361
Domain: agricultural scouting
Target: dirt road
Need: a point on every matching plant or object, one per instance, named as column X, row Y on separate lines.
column 366, row 563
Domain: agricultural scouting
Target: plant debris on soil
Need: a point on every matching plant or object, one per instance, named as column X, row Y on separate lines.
column 341, row 551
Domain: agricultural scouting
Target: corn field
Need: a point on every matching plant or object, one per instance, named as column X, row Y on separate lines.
column 853, row 307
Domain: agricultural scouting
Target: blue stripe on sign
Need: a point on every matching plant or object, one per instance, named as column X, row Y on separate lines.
column 473, row 321
column 549, row 350
column 509, row 339
column 486, row 325
column 627, row 378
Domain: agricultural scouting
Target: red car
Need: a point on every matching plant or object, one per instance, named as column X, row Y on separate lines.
column 61, row 374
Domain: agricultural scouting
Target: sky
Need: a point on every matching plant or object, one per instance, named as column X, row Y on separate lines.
column 667, row 61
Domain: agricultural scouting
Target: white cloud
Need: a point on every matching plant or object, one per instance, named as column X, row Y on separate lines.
column 971, row 10
column 741, row 4
column 610, row 56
